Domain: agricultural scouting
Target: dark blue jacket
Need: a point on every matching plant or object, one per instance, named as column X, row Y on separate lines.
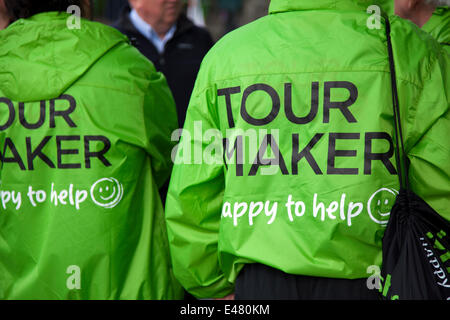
column 180, row 60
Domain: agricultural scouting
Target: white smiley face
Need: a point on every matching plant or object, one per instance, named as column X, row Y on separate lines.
column 380, row 204
column 107, row 192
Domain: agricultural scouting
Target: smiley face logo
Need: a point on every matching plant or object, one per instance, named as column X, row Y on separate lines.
column 380, row 204
column 107, row 192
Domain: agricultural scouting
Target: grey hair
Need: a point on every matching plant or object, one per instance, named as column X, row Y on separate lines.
column 438, row 3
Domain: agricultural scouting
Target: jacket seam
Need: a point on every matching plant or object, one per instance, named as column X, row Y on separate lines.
column 86, row 84
column 304, row 72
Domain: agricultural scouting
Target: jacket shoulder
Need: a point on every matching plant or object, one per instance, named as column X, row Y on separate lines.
column 415, row 51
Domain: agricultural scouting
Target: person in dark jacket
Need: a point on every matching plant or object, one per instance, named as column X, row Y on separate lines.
column 161, row 32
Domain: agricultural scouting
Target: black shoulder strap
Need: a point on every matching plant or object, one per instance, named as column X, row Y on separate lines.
column 400, row 157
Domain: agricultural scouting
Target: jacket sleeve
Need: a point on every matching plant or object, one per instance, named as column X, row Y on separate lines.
column 160, row 121
column 193, row 207
column 428, row 136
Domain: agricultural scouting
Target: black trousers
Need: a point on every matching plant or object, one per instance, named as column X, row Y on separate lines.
column 260, row 282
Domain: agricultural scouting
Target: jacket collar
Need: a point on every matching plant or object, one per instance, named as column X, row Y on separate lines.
column 298, row 5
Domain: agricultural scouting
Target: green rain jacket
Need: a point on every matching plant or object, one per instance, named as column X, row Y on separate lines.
column 302, row 99
column 85, row 124
column 439, row 26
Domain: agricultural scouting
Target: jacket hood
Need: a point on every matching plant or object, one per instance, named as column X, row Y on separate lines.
column 293, row 5
column 41, row 57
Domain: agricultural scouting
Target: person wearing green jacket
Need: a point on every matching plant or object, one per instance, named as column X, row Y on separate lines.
column 285, row 172
column 85, row 125
column 433, row 16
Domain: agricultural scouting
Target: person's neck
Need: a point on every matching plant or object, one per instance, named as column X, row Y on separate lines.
column 4, row 21
column 161, row 30
column 422, row 14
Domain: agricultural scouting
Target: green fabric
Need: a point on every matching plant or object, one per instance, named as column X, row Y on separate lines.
column 289, row 5
column 269, row 75
column 85, row 128
column 439, row 26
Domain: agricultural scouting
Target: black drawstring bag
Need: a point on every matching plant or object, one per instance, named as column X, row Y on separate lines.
column 416, row 255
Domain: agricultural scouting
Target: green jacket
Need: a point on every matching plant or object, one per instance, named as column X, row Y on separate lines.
column 309, row 178
column 85, row 124
column 439, row 26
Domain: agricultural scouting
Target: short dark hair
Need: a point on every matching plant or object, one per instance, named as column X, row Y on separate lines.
column 22, row 9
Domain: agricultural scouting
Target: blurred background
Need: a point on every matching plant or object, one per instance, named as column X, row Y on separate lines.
column 218, row 16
